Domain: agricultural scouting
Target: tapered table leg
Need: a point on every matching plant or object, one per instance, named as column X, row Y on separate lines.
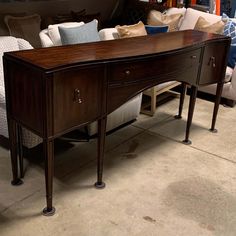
column 190, row 114
column 181, row 101
column 48, row 150
column 20, row 150
column 13, row 149
column 101, row 144
column 216, row 106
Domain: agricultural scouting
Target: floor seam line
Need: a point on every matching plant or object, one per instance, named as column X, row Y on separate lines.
column 28, row 196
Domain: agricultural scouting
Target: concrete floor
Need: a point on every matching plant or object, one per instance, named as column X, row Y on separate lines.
column 155, row 184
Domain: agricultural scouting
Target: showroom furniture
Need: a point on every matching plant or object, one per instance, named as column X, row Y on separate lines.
column 112, row 67
column 8, row 43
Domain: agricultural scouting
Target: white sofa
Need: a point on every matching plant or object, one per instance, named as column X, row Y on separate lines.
column 126, row 113
column 8, row 43
column 188, row 21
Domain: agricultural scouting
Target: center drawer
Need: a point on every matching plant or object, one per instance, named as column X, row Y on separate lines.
column 138, row 69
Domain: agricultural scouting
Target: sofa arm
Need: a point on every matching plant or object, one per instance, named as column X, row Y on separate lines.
column 108, row 34
column 23, row 44
column 45, row 39
column 233, row 79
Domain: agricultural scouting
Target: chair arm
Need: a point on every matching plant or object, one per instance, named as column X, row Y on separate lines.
column 108, row 34
column 23, row 44
column 45, row 39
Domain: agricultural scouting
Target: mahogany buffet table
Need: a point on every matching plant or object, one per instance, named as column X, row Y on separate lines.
column 52, row 91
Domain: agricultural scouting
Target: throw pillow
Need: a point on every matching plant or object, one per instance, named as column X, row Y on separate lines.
column 158, row 18
column 156, row 29
column 54, row 34
column 230, row 30
column 81, row 34
column 127, row 31
column 205, row 26
column 26, row 27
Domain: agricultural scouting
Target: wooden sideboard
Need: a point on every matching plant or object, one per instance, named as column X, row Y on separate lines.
column 52, row 91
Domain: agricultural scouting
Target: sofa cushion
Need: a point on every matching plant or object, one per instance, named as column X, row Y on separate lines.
column 192, row 15
column 205, row 26
column 158, row 18
column 127, row 31
column 54, row 34
column 153, row 29
column 26, row 27
column 80, row 34
column 228, row 74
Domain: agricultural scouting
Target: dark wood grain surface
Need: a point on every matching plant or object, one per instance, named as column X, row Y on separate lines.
column 56, row 57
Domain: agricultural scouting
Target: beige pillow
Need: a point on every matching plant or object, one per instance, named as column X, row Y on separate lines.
column 26, row 27
column 205, row 26
column 127, row 31
column 158, row 18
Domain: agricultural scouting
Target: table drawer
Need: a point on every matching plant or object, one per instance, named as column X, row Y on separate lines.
column 77, row 97
column 153, row 67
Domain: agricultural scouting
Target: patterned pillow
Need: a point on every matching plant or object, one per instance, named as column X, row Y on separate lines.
column 230, row 29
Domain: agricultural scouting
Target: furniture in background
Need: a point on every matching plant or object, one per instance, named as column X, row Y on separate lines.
column 126, row 113
column 70, row 92
column 149, row 108
column 7, row 44
column 188, row 21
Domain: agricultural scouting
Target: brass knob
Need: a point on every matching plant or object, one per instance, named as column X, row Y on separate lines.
column 77, row 97
column 127, row 72
column 212, row 61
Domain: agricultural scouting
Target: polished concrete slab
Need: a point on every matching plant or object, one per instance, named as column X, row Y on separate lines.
column 155, row 184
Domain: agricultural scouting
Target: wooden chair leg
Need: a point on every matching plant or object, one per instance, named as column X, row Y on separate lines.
column 153, row 101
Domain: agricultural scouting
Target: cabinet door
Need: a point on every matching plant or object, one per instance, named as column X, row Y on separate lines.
column 76, row 97
column 213, row 63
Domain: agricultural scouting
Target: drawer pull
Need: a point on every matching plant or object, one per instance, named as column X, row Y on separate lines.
column 193, row 57
column 127, row 72
column 77, row 97
column 212, row 61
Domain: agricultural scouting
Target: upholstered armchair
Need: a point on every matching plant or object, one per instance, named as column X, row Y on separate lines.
column 8, row 43
column 124, row 114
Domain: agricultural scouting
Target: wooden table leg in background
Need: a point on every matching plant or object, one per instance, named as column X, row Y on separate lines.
column 48, row 151
column 192, row 102
column 216, row 106
column 100, row 154
column 181, row 101
column 13, row 149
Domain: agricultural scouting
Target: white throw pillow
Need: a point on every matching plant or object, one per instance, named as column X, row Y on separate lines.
column 192, row 15
column 54, row 34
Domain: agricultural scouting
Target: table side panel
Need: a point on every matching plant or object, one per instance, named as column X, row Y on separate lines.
column 25, row 95
column 213, row 62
